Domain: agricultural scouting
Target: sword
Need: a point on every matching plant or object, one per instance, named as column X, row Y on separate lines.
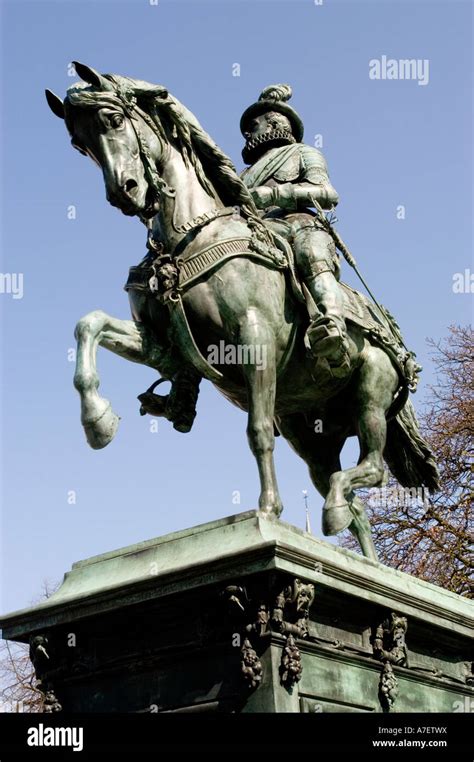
column 347, row 255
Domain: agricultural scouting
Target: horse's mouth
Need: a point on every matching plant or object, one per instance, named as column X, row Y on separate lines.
column 130, row 211
column 151, row 206
column 147, row 210
column 129, row 208
column 144, row 206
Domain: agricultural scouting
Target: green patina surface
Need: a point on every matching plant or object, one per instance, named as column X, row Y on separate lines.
column 170, row 623
column 241, row 286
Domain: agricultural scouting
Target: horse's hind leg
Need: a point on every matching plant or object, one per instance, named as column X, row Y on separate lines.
column 373, row 396
column 320, row 452
column 123, row 337
column 360, row 527
column 322, row 455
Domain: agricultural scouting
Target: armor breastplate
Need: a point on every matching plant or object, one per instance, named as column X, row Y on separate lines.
column 290, row 171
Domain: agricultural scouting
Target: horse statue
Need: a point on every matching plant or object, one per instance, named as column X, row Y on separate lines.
column 217, row 276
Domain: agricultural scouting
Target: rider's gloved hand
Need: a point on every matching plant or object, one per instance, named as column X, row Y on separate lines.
column 263, row 196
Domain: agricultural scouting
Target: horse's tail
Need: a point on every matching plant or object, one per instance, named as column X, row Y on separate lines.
column 407, row 454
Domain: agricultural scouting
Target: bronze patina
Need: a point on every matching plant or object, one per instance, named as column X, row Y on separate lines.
column 249, row 265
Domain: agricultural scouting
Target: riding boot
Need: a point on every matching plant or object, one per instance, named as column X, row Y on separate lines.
column 179, row 406
column 326, row 334
column 182, row 399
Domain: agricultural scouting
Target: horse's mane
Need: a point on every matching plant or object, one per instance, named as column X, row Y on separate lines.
column 171, row 120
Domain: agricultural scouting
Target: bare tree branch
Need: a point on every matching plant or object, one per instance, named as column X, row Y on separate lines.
column 431, row 538
column 18, row 684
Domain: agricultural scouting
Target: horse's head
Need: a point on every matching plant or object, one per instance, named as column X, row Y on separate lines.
column 135, row 131
column 108, row 120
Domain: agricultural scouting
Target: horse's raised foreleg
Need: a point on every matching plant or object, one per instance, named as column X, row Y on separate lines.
column 260, row 377
column 123, row 337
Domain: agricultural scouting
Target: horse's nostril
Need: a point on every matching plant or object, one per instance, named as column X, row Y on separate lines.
column 130, row 186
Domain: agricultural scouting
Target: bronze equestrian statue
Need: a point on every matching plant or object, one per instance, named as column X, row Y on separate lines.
column 246, row 263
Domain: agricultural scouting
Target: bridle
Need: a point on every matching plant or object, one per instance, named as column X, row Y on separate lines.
column 157, row 185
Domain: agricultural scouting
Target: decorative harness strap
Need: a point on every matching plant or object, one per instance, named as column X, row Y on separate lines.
column 168, row 278
column 134, row 112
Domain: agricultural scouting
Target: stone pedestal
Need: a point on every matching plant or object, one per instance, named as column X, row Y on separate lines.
column 247, row 614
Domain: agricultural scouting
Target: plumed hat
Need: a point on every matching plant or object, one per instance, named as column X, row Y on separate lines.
column 274, row 98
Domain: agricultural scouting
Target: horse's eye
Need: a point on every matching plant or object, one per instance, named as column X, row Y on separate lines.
column 116, row 120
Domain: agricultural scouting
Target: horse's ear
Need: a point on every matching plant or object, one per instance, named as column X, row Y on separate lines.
column 55, row 104
column 92, row 76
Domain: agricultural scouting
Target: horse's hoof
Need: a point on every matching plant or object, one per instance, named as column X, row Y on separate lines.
column 101, row 431
column 336, row 518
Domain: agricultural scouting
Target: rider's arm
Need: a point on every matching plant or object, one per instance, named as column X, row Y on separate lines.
column 315, row 174
column 313, row 181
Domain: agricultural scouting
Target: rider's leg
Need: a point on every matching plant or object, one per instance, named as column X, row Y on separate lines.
column 182, row 399
column 179, row 406
column 316, row 261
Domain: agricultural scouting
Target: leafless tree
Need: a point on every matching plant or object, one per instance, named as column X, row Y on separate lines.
column 430, row 536
column 19, row 691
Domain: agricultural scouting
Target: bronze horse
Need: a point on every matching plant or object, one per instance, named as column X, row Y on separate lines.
column 160, row 165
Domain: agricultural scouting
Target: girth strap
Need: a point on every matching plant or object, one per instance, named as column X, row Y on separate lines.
column 184, row 339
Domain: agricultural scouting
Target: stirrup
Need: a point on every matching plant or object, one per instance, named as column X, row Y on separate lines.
column 176, row 407
column 153, row 404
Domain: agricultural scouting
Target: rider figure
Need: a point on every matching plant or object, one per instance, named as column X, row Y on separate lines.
column 283, row 175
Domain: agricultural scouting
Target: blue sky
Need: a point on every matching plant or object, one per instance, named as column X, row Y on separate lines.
column 387, row 142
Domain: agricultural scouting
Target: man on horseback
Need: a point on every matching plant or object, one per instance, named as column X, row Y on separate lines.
column 142, row 137
column 284, row 176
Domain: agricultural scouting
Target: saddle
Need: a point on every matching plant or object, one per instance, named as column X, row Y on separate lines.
column 167, row 277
